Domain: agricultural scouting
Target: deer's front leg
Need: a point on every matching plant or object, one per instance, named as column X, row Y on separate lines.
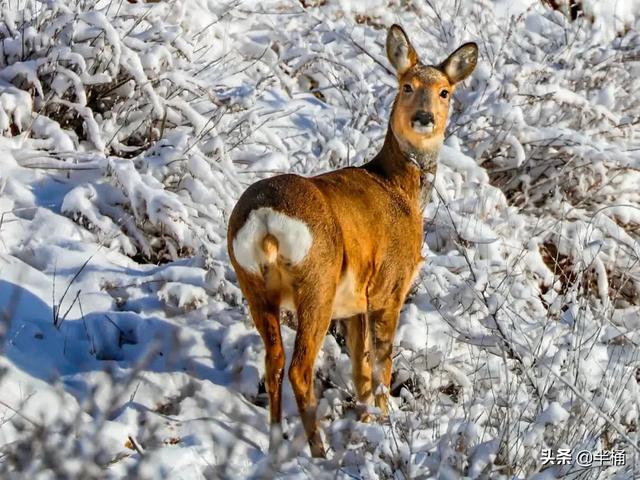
column 359, row 346
column 383, row 324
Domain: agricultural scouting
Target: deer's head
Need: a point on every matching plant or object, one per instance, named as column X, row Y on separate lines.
column 420, row 111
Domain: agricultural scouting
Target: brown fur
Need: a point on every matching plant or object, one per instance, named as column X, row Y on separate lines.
column 366, row 224
column 270, row 248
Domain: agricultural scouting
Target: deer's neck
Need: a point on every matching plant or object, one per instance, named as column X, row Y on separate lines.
column 408, row 170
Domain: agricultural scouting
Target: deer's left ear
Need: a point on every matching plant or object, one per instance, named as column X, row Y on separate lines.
column 461, row 63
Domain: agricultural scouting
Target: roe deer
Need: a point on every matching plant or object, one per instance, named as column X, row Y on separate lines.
column 346, row 244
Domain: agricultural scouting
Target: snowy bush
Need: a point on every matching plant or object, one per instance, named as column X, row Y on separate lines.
column 130, row 129
column 116, row 82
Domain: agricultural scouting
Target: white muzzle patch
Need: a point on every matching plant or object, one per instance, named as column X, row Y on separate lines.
column 421, row 128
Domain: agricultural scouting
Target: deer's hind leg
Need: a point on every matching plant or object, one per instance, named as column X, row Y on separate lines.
column 265, row 311
column 314, row 308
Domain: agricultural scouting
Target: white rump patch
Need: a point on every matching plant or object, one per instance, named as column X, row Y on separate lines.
column 293, row 235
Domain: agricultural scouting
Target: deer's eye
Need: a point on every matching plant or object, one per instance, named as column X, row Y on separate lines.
column 406, row 88
column 444, row 93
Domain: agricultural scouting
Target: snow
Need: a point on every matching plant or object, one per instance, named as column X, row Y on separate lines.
column 15, row 107
column 129, row 130
column 554, row 413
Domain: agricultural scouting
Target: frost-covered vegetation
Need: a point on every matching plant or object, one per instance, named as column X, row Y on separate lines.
column 128, row 130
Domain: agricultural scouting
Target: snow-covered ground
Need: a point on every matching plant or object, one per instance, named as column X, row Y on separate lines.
column 128, row 130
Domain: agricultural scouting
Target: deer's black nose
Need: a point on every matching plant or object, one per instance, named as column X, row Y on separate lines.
column 424, row 118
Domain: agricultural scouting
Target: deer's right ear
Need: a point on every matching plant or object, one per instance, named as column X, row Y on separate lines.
column 401, row 53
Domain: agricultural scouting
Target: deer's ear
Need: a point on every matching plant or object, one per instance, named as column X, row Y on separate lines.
column 461, row 63
column 400, row 52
